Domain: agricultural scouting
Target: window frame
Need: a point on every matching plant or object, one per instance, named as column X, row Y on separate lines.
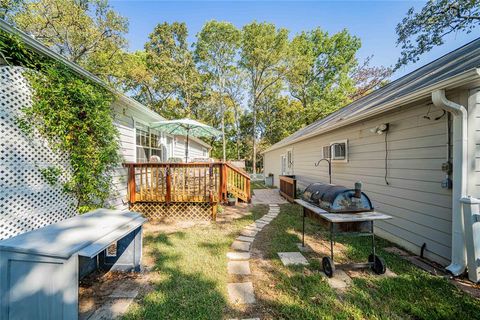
column 289, row 155
column 160, row 147
column 205, row 152
column 333, row 157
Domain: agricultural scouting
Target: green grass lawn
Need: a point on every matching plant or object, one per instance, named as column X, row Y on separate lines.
column 189, row 278
column 302, row 292
column 190, row 271
column 258, row 185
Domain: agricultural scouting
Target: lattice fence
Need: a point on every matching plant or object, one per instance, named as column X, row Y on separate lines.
column 175, row 210
column 27, row 201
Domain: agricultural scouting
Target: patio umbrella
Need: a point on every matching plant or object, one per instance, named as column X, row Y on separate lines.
column 186, row 127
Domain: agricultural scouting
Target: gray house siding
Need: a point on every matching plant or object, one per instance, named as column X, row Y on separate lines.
column 421, row 208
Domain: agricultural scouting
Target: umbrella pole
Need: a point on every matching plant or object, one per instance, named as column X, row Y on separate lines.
column 186, row 149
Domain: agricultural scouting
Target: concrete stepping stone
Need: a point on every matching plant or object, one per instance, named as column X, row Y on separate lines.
column 252, row 227
column 339, row 281
column 124, row 290
column 241, row 293
column 241, row 246
column 111, row 309
column 248, row 232
column 271, row 216
column 259, row 227
column 260, row 224
column 238, row 255
column 246, row 239
column 238, row 267
column 292, row 258
column 266, row 219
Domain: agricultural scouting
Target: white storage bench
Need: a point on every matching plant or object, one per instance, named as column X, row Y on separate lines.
column 40, row 269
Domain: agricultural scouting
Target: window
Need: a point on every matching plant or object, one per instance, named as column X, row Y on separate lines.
column 283, row 160
column 205, row 152
column 339, row 150
column 149, row 144
column 289, row 158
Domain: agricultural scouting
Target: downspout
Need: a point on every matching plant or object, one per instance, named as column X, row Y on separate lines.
column 460, row 147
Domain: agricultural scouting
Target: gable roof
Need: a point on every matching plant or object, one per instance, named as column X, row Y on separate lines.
column 453, row 69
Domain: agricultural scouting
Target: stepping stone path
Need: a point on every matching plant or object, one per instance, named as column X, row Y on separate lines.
column 242, row 292
column 292, row 258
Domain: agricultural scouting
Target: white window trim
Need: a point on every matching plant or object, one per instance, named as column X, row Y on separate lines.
column 205, row 152
column 283, row 156
column 289, row 163
column 332, row 151
column 162, row 135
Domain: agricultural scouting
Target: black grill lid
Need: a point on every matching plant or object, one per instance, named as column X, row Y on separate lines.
column 335, row 198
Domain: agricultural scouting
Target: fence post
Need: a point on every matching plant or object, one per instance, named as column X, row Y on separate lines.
column 223, row 182
column 131, row 183
column 169, row 184
column 248, row 191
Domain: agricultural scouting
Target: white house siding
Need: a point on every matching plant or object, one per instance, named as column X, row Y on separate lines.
column 125, row 124
column 474, row 144
column 421, row 209
column 195, row 149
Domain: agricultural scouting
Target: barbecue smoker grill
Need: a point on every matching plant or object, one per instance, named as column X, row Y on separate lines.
column 343, row 211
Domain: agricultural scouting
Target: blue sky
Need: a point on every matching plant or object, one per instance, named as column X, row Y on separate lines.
column 373, row 21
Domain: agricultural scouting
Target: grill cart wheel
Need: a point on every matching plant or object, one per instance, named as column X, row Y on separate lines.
column 328, row 266
column 378, row 266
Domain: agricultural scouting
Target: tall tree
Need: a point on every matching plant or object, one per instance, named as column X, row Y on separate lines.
column 368, row 78
column 263, row 57
column 173, row 71
column 235, row 90
column 420, row 31
column 87, row 32
column 319, row 71
column 215, row 51
column 9, row 7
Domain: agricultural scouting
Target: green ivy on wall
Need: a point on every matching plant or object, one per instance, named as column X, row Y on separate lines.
column 75, row 116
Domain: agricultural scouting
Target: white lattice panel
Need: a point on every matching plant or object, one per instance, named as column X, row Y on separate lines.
column 27, row 201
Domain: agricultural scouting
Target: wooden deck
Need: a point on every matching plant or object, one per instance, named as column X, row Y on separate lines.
column 192, row 183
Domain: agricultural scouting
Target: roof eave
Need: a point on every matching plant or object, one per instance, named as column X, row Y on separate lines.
column 447, row 84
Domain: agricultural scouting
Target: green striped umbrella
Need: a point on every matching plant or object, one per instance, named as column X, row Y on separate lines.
column 186, row 127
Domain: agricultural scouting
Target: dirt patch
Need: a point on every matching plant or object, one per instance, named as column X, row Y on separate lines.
column 96, row 288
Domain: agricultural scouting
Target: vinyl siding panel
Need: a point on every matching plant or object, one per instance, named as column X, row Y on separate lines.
column 474, row 144
column 417, row 147
column 123, row 121
column 195, row 149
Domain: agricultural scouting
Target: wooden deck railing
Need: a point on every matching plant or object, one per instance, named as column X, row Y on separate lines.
column 186, row 182
column 288, row 187
column 238, row 182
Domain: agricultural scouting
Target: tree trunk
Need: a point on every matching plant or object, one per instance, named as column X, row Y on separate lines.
column 222, row 102
column 254, row 156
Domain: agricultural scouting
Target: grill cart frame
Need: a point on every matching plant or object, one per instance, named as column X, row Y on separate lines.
column 334, row 221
